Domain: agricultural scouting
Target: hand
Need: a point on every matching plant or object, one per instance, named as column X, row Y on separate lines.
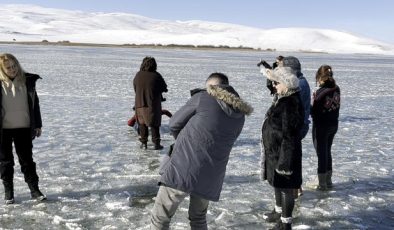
column 38, row 132
column 266, row 72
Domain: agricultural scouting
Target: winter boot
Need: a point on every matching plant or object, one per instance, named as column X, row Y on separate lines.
column 322, row 182
column 143, row 145
column 328, row 179
column 157, row 145
column 272, row 217
column 35, row 192
column 281, row 226
column 8, row 192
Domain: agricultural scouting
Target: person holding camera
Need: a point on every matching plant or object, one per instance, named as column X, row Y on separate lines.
column 264, row 64
column 148, row 87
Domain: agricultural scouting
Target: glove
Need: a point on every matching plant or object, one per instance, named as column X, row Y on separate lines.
column 38, row 132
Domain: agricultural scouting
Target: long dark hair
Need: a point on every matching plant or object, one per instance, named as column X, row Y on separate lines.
column 324, row 74
column 148, row 64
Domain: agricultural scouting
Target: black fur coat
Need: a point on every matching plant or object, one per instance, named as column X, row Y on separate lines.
column 281, row 140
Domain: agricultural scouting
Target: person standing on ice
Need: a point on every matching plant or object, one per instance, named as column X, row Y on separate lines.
column 20, row 118
column 305, row 95
column 281, row 140
column 148, row 87
column 325, row 113
column 205, row 130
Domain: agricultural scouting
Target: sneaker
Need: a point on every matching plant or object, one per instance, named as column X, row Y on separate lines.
column 272, row 217
column 281, row 226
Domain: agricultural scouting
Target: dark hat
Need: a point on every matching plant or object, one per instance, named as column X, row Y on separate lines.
column 292, row 62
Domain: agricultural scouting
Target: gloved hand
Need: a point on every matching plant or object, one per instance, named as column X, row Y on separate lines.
column 38, row 132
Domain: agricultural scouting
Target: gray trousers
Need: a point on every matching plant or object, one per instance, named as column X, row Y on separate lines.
column 167, row 202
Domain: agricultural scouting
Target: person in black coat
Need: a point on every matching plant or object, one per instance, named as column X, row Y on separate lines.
column 325, row 113
column 148, row 87
column 20, row 123
column 281, row 140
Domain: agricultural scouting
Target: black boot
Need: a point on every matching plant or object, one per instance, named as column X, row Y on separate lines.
column 8, row 192
column 143, row 145
column 35, row 192
column 281, row 226
column 158, row 147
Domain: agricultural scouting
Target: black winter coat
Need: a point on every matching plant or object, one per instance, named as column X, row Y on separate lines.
column 326, row 104
column 281, row 140
column 148, row 88
column 34, row 104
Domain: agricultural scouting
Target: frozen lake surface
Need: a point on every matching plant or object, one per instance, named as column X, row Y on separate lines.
column 96, row 177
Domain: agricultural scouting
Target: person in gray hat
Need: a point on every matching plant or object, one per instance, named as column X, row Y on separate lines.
column 281, row 142
column 305, row 90
column 305, row 94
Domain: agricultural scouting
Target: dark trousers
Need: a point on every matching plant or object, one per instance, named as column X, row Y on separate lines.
column 285, row 198
column 144, row 133
column 323, row 136
column 24, row 150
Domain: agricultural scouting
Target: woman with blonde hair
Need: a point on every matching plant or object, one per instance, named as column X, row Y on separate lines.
column 325, row 113
column 20, row 123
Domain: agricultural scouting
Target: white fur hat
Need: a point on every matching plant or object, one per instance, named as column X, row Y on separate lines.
column 284, row 75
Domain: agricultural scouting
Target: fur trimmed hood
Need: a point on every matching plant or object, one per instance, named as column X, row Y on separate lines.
column 229, row 99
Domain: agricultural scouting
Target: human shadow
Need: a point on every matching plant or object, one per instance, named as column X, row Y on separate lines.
column 355, row 119
column 371, row 197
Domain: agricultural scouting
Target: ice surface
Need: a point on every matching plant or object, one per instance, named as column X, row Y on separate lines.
column 96, row 177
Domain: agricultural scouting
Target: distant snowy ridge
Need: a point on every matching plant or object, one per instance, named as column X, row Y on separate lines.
column 34, row 23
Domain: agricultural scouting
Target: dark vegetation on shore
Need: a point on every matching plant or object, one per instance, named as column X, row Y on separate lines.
column 68, row 43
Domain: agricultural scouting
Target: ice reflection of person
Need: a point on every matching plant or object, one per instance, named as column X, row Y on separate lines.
column 20, row 118
column 281, row 141
column 325, row 113
column 205, row 130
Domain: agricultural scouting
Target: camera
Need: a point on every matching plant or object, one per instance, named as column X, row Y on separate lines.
column 265, row 64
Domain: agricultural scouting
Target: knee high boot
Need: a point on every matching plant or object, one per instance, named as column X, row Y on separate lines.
column 8, row 192
column 328, row 179
column 322, row 181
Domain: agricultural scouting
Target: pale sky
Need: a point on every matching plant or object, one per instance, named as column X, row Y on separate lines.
column 368, row 18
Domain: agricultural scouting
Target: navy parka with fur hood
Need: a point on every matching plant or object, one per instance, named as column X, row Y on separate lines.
column 205, row 130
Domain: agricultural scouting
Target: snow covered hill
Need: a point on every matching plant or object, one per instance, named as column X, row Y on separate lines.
column 34, row 23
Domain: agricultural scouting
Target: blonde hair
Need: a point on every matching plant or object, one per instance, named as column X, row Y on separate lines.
column 20, row 78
